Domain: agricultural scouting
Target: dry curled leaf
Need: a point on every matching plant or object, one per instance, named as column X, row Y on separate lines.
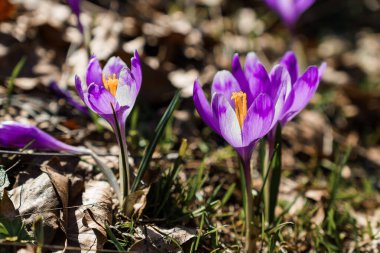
column 86, row 229
column 7, row 209
column 61, row 185
column 38, row 197
column 155, row 239
column 136, row 202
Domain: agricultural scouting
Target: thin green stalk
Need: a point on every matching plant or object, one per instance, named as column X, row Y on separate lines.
column 157, row 135
column 264, row 159
column 337, row 175
column 11, row 81
column 245, row 173
column 125, row 186
column 275, row 176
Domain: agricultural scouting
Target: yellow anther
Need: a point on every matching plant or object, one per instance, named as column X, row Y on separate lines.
column 110, row 83
column 240, row 99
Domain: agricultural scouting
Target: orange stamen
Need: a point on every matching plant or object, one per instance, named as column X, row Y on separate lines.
column 110, row 83
column 240, row 99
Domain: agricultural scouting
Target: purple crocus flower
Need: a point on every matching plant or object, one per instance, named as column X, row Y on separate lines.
column 65, row 94
column 289, row 10
column 111, row 93
column 245, row 106
column 241, row 110
column 113, row 89
column 19, row 135
column 75, row 7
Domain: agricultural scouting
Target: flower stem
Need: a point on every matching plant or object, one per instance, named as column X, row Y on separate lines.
column 125, row 184
column 245, row 172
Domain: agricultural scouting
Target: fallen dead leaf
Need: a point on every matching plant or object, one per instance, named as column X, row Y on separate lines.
column 155, row 239
column 86, row 229
column 61, row 185
column 7, row 209
column 38, row 197
column 136, row 202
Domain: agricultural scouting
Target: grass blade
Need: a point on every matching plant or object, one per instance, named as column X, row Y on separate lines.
column 276, row 176
column 11, row 80
column 113, row 239
column 336, row 177
column 152, row 145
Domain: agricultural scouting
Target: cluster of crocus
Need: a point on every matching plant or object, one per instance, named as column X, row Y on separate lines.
column 289, row 10
column 248, row 103
column 111, row 93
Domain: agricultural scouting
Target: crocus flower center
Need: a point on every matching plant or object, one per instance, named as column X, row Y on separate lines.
column 110, row 83
column 240, row 99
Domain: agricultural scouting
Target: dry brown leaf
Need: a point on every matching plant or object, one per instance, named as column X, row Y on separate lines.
column 7, row 209
column 136, row 202
column 86, row 223
column 37, row 197
column 61, row 185
column 155, row 239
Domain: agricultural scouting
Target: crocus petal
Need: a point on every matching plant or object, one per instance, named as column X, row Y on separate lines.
column 239, row 75
column 78, row 86
column 289, row 10
column 203, row 108
column 66, row 95
column 272, row 4
column 286, row 114
column 113, row 66
column 289, row 60
column 75, row 7
column 18, row 135
column 321, row 70
column 225, row 83
column 280, row 78
column 136, row 69
column 251, row 62
column 303, row 5
column 259, row 81
column 304, row 90
column 127, row 89
column 94, row 72
column 101, row 102
column 280, row 85
column 228, row 122
column 259, row 119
